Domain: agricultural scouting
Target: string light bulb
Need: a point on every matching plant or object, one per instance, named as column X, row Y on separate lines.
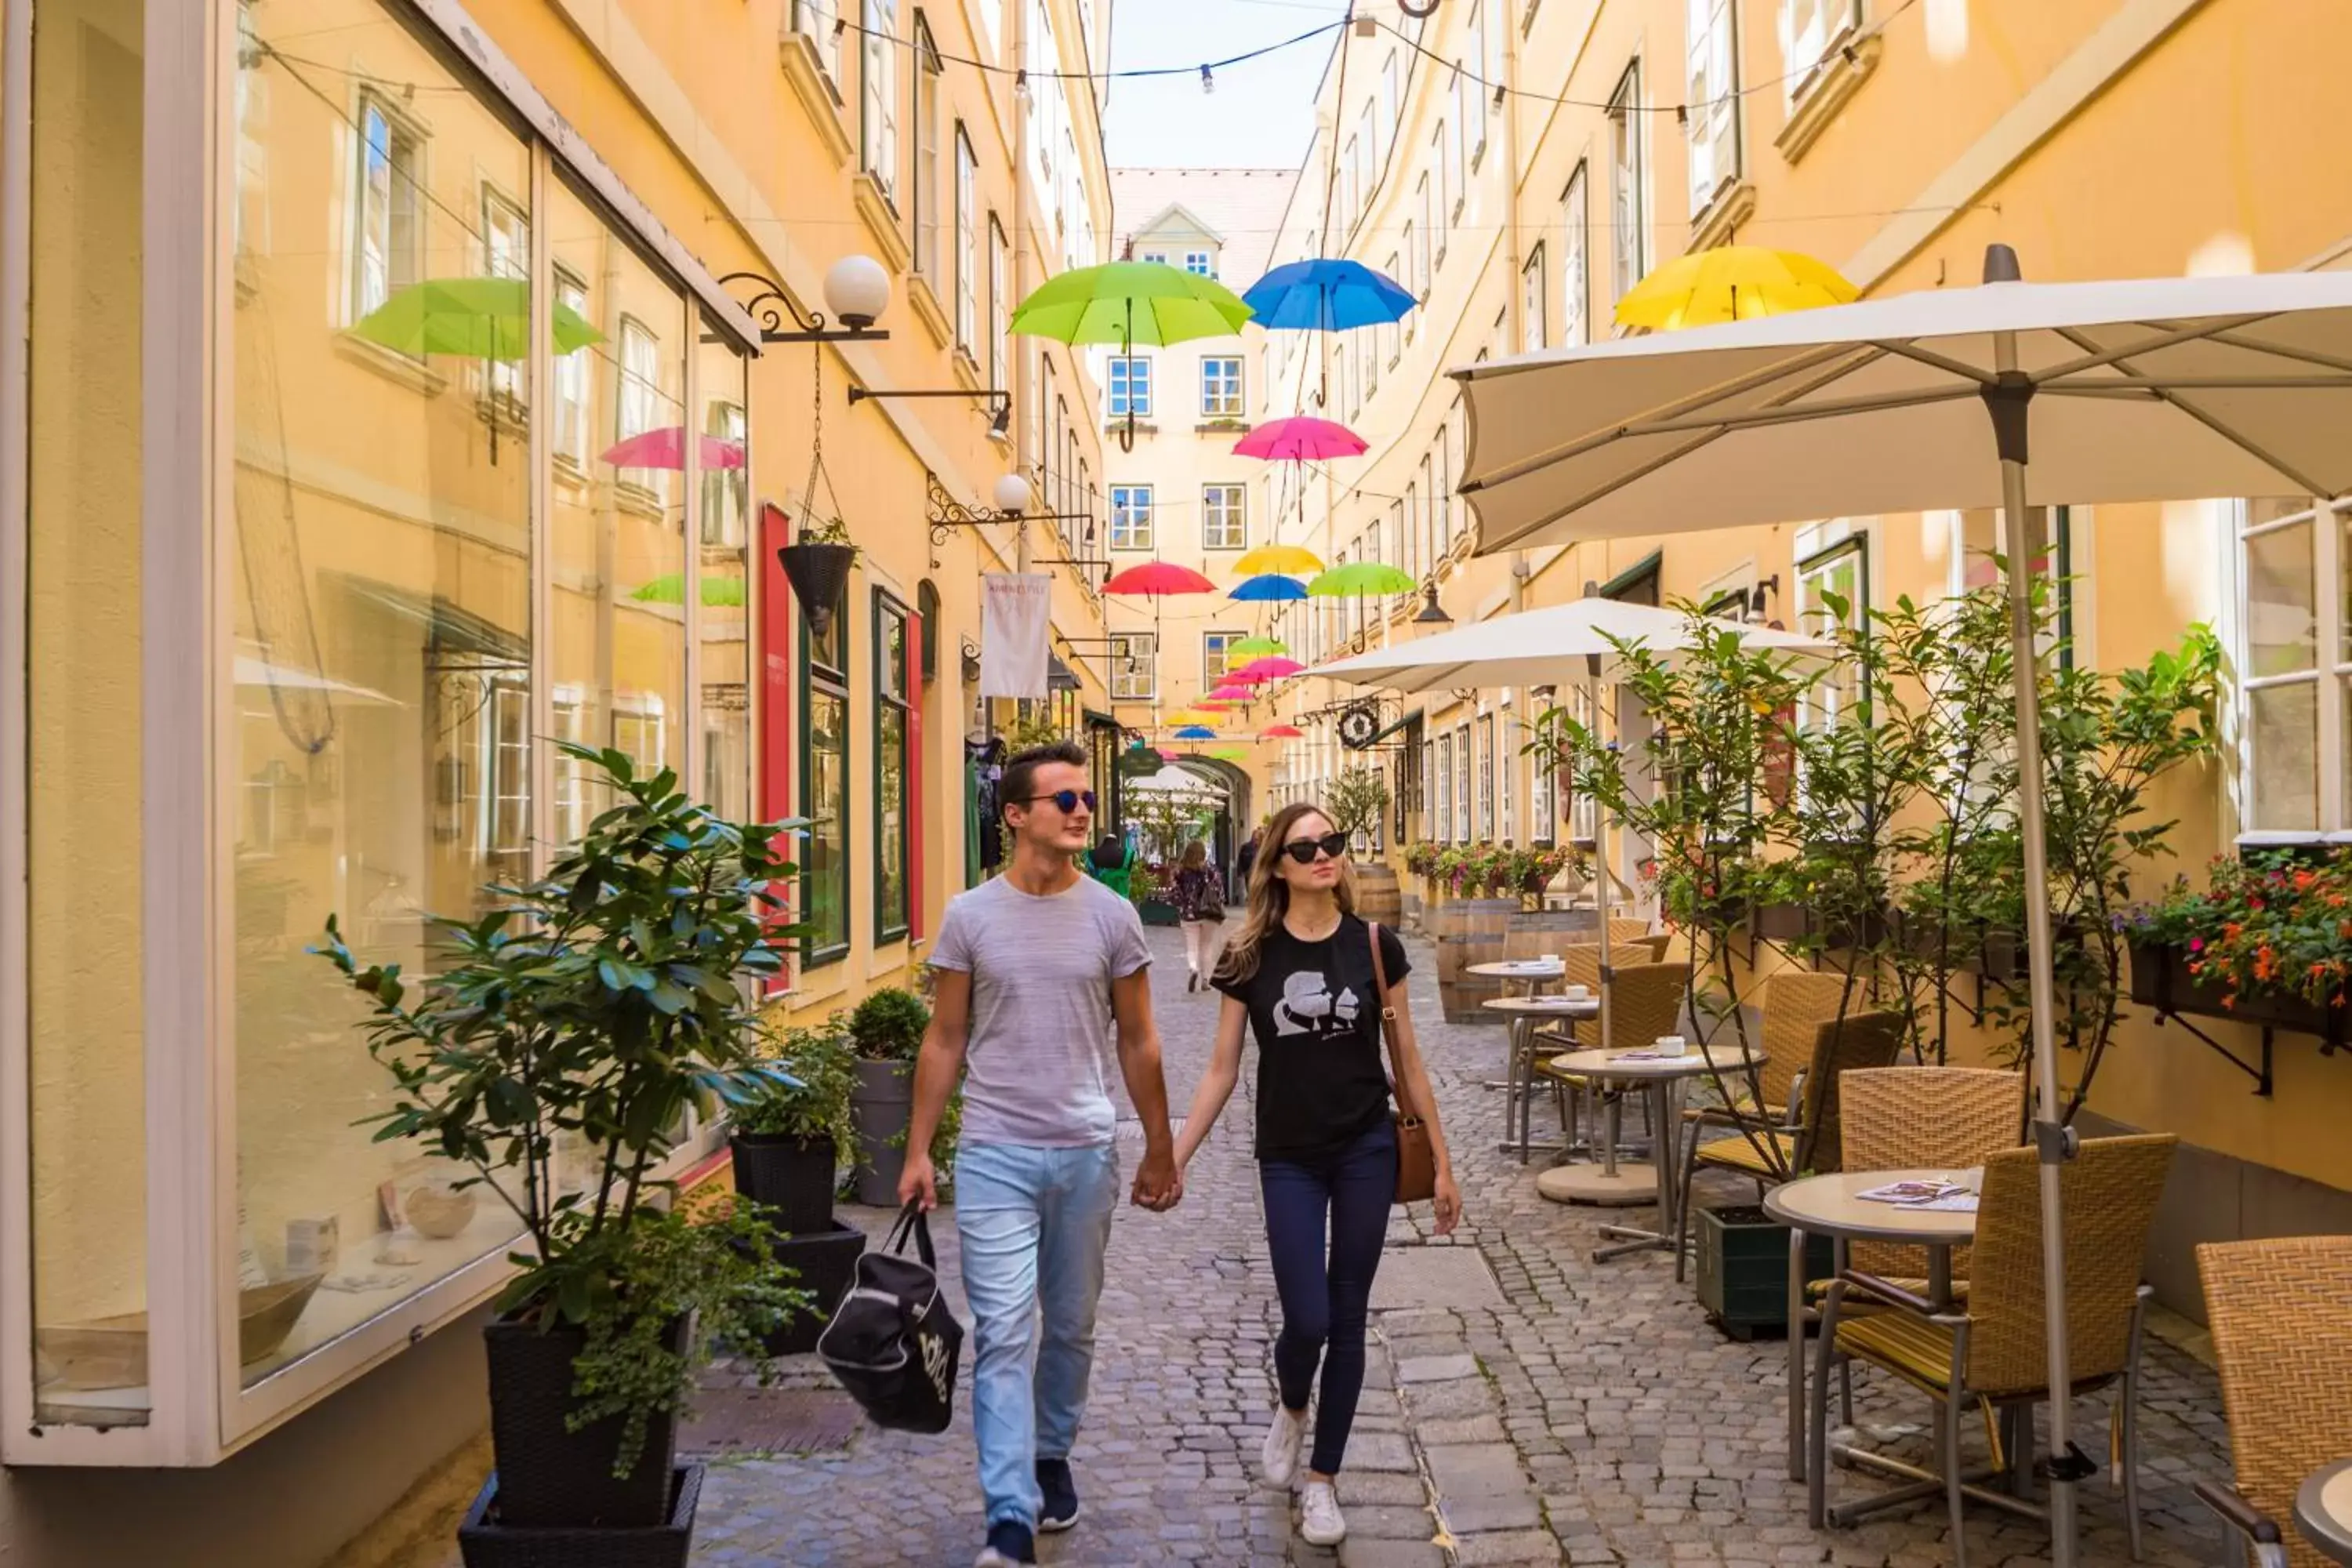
column 1208, row 80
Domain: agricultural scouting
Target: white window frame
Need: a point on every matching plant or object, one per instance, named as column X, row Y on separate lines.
column 815, row 20
column 1222, row 396
column 1576, row 260
column 1127, row 386
column 1225, row 518
column 1474, row 92
column 1441, row 817
column 1000, row 285
column 1217, row 657
column 2330, row 673
column 877, row 97
column 1629, row 182
column 1134, row 666
column 1200, row 263
column 967, row 242
column 1464, row 823
column 1535, row 293
column 1811, row 34
column 1131, row 520
column 1711, row 93
column 402, row 261
column 1543, row 801
column 923, row 203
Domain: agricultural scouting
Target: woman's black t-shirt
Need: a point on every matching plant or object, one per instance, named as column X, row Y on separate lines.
column 1315, row 1011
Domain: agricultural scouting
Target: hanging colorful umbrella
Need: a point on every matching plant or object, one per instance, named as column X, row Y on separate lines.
column 1159, row 577
column 471, row 318
column 1129, row 302
column 1190, row 716
column 1282, row 732
column 1324, row 295
column 1255, row 646
column 1301, row 438
column 1290, row 558
column 1231, row 693
column 669, row 588
column 1271, row 667
column 1196, row 733
column 1267, row 587
column 1361, row 577
column 1241, row 701
column 666, row 448
column 1731, row 283
column 1229, row 753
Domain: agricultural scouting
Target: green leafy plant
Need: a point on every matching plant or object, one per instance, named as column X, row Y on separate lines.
column 597, row 1005
column 1355, row 799
column 888, row 1024
column 1037, row 727
column 816, row 1106
column 815, row 530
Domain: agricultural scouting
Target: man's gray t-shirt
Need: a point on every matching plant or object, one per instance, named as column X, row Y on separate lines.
column 1040, row 1049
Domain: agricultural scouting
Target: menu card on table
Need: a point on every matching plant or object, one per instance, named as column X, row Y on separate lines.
column 1948, row 1197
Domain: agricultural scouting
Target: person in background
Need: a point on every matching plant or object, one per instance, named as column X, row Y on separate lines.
column 1200, row 899
column 1300, row 976
column 1043, row 985
column 1110, row 863
column 1246, row 857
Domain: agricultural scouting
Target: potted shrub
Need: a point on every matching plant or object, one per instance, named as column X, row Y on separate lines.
column 886, row 1031
column 788, row 1139
column 589, row 1011
column 817, row 565
column 1742, row 1269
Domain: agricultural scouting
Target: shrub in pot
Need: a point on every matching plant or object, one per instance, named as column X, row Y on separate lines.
column 885, row 1030
column 589, row 1010
column 789, row 1137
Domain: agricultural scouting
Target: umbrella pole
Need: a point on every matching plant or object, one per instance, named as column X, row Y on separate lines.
column 1600, row 883
column 2007, row 401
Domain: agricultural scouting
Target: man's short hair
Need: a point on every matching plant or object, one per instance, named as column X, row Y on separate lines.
column 1019, row 780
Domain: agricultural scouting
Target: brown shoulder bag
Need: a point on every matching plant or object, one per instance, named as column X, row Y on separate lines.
column 1416, row 1160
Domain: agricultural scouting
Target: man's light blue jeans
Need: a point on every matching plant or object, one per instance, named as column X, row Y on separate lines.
column 1033, row 1224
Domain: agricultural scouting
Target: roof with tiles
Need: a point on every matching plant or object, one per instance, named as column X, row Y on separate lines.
column 1242, row 207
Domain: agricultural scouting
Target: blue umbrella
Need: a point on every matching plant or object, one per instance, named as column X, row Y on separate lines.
column 1196, row 733
column 1268, row 586
column 1322, row 296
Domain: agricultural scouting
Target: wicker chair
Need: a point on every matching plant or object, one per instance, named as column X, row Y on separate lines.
column 1797, row 1002
column 1948, row 1117
column 2285, row 1345
column 1645, row 1001
column 1993, row 1355
column 1623, row 936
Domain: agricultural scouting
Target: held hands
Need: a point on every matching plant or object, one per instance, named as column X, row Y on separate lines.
column 1159, row 1183
column 1447, row 1202
column 918, row 1180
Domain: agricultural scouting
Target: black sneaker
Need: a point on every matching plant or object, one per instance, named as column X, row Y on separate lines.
column 1061, row 1506
column 1010, row 1545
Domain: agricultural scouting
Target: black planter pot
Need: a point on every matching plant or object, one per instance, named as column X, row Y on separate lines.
column 486, row 1539
column 818, row 573
column 1156, row 912
column 1779, row 922
column 823, row 1264
column 880, row 1105
column 554, row 1478
column 2151, row 973
column 792, row 1178
column 1743, row 1269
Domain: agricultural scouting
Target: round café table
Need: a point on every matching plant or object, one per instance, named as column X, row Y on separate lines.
column 2323, row 1511
column 1530, row 972
column 1662, row 1077
column 1527, row 1013
column 1827, row 1206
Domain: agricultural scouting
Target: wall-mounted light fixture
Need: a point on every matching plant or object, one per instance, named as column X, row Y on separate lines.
column 1756, row 597
column 1432, row 613
column 1011, row 496
column 856, row 290
column 1000, row 423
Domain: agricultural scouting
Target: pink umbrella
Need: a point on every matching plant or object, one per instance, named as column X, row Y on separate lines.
column 1233, row 677
column 666, row 448
column 1159, row 577
column 1229, row 693
column 1272, row 667
column 1299, row 439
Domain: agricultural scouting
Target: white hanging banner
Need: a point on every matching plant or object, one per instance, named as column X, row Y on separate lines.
column 1013, row 608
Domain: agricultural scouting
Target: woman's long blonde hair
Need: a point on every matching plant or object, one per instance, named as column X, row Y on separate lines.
column 1269, row 895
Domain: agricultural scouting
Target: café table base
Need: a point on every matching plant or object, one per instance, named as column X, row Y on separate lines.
column 1630, row 1240
column 1630, row 1186
column 1924, row 1486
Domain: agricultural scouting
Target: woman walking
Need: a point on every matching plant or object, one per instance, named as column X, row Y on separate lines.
column 1201, row 910
column 1313, row 984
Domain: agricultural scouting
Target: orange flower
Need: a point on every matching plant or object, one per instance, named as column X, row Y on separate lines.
column 2304, row 879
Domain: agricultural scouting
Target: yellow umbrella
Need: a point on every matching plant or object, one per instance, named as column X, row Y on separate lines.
column 1190, row 716
column 1288, row 559
column 1731, row 282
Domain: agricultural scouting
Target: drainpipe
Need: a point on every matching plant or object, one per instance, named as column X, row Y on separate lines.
column 1512, row 239
column 1022, row 260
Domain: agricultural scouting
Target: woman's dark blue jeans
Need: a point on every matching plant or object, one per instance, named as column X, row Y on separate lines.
column 1324, row 1306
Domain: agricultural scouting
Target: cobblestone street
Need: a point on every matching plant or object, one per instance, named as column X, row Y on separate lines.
column 1524, row 1403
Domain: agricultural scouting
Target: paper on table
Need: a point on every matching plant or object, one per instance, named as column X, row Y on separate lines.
column 1923, row 1195
column 1962, row 1202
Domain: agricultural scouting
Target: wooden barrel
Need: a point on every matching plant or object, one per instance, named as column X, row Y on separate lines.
column 1378, row 895
column 1474, row 916
column 1460, row 992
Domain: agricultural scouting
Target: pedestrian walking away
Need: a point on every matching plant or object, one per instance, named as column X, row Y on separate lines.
column 1200, row 911
column 1041, row 987
column 1246, row 857
column 1303, row 977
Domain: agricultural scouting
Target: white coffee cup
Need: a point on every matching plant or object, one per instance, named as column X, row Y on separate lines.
column 1576, row 992
column 1669, row 1044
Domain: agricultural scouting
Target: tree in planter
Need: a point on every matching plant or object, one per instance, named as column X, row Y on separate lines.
column 885, row 1030
column 789, row 1138
column 600, row 1004
column 1356, row 800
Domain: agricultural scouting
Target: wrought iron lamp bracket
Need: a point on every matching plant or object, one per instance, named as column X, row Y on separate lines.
column 771, row 308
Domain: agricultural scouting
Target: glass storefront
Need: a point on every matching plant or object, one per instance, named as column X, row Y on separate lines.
column 420, row 349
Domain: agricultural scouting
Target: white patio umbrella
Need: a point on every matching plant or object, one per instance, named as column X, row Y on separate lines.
column 2008, row 395
column 1581, row 640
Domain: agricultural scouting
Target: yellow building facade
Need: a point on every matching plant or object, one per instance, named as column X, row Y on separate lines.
column 1520, row 163
column 396, row 391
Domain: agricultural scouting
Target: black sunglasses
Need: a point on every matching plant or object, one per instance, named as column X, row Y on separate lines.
column 1303, row 850
column 1065, row 800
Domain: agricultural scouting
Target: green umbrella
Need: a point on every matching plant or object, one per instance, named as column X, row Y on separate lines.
column 1259, row 647
column 669, row 589
column 1129, row 302
column 1361, row 577
column 473, row 318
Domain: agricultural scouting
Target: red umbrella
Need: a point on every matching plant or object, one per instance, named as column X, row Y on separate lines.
column 1245, row 678
column 1272, row 667
column 666, row 448
column 1281, row 732
column 1159, row 577
column 1299, row 439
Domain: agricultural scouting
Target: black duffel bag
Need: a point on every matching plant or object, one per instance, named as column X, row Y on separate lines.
column 892, row 1342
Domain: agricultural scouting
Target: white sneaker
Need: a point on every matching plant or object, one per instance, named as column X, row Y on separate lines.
column 1320, row 1523
column 1280, row 1454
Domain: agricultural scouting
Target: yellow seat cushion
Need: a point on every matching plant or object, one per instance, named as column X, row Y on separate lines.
column 1857, row 1298
column 1743, row 1106
column 1742, row 1152
column 1904, row 1343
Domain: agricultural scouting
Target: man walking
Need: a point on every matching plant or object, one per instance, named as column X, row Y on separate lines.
column 1038, row 970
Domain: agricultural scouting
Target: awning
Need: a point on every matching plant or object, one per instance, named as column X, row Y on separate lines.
column 1393, row 729
column 1060, row 677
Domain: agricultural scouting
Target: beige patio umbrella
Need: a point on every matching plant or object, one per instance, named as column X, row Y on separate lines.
column 2009, row 394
